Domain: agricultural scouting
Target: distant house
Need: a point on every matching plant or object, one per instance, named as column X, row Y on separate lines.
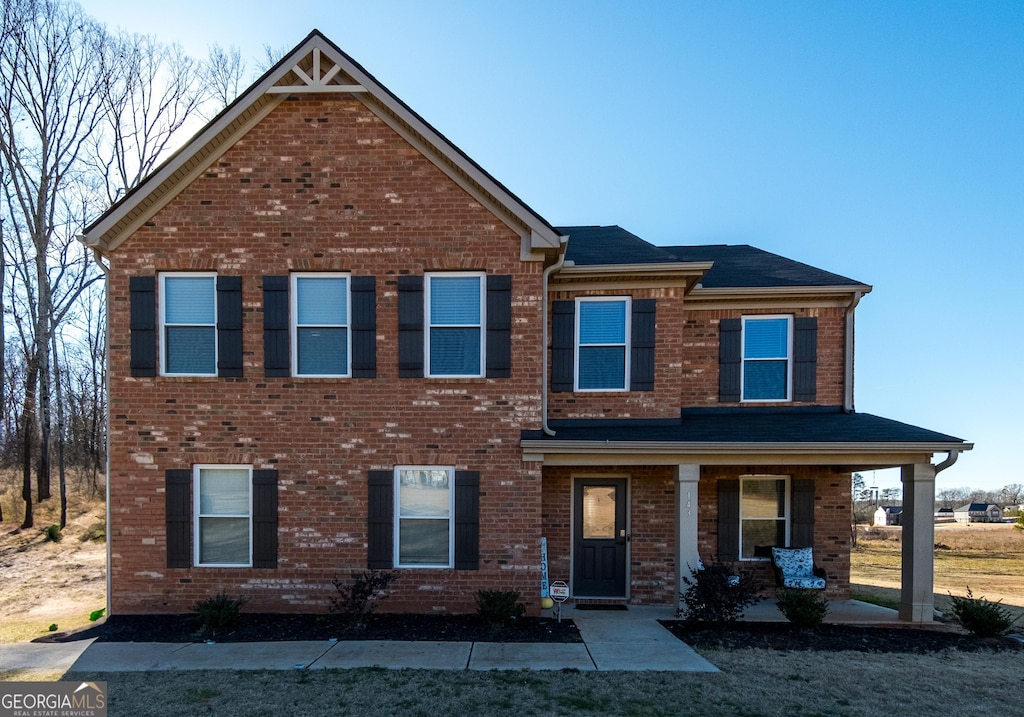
column 889, row 515
column 944, row 515
column 978, row 513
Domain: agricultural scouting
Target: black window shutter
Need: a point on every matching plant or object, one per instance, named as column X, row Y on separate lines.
column 364, row 327
column 642, row 337
column 805, row 359
column 264, row 518
column 380, row 535
column 801, row 529
column 142, row 290
column 499, row 326
column 410, row 326
column 229, row 326
column 178, row 507
column 730, row 356
column 276, row 349
column 563, row 336
column 467, row 520
column 728, row 520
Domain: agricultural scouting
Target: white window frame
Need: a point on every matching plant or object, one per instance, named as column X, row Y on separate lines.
column 788, row 358
column 787, row 518
column 198, row 516
column 627, row 333
column 293, row 322
column 427, row 283
column 163, row 343
column 399, row 518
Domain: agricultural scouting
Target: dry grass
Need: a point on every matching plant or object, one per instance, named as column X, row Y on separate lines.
column 43, row 583
column 752, row 683
column 987, row 557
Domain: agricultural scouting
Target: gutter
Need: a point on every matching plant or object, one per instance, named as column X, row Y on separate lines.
column 713, row 447
column 548, row 431
column 848, row 368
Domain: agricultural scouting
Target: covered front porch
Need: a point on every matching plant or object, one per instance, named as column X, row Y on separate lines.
column 676, row 478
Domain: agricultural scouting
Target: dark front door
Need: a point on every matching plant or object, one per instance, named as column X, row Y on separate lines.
column 599, row 537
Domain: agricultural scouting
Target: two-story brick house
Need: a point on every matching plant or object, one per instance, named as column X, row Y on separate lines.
column 337, row 343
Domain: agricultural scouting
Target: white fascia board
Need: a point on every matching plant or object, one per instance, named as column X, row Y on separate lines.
column 737, row 449
column 774, row 292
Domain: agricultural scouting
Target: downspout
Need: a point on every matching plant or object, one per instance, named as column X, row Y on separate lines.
column 950, row 460
column 544, row 341
column 848, row 382
column 97, row 257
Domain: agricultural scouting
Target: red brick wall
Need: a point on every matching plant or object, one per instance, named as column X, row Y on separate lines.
column 699, row 372
column 652, row 524
column 322, row 184
column 663, row 401
column 831, row 521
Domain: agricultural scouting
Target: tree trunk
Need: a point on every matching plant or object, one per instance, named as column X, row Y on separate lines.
column 61, row 432
column 28, row 431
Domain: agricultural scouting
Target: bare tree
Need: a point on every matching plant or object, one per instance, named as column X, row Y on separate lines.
column 48, row 108
column 1012, row 494
column 224, row 75
column 150, row 92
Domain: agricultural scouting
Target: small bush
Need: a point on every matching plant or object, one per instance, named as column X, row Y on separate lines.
column 980, row 616
column 358, row 598
column 97, row 614
column 805, row 609
column 53, row 533
column 717, row 594
column 1019, row 525
column 53, row 627
column 499, row 607
column 96, row 533
column 219, row 612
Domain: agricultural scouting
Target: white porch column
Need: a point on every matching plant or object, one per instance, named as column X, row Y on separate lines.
column 687, row 477
column 917, row 600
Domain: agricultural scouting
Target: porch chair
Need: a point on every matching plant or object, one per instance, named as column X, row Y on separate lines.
column 794, row 568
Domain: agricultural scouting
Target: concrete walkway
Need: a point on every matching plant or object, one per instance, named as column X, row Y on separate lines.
column 612, row 640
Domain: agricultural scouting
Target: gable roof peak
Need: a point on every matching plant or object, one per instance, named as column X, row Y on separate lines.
column 315, row 65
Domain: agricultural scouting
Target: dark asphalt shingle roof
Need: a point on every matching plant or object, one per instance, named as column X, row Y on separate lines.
column 812, row 424
column 735, row 266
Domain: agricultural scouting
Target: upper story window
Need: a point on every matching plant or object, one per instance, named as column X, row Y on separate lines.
column 223, row 508
column 188, row 321
column 425, row 505
column 767, row 348
column 321, row 340
column 602, row 344
column 764, row 515
column 454, row 316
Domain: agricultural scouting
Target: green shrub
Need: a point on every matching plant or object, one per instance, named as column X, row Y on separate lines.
column 805, row 609
column 53, row 627
column 359, row 597
column 219, row 612
column 97, row 614
column 53, row 533
column 499, row 607
column 717, row 594
column 980, row 616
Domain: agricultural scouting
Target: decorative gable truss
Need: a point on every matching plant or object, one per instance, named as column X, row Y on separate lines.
column 316, row 73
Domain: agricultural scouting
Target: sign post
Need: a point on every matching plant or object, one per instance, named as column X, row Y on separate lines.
column 559, row 593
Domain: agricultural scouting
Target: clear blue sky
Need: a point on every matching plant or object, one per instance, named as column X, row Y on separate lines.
column 882, row 141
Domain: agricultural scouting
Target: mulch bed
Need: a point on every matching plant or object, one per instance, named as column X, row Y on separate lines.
column 255, row 627
column 782, row 636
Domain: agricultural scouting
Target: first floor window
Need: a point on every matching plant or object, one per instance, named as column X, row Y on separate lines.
column 766, row 352
column 188, row 313
column 321, row 325
column 455, row 310
column 602, row 341
column 424, row 507
column 223, row 498
column 764, row 515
